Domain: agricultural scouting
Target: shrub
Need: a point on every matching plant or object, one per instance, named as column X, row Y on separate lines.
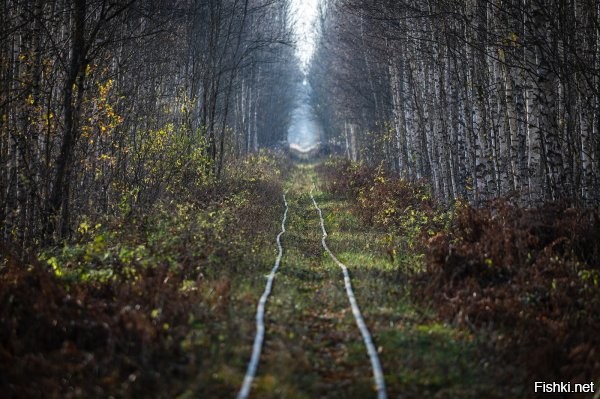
column 527, row 276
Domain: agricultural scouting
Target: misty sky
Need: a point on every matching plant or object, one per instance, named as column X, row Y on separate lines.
column 305, row 130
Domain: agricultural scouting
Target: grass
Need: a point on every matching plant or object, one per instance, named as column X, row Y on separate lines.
column 311, row 331
column 157, row 305
column 420, row 356
column 313, row 347
column 186, row 319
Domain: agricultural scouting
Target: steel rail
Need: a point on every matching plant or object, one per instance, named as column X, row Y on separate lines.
column 360, row 322
column 260, row 316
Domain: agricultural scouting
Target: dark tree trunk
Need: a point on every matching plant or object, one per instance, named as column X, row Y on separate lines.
column 73, row 86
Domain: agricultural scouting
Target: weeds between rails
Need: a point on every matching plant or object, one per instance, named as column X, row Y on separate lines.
column 360, row 323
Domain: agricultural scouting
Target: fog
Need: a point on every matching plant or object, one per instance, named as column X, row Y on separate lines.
column 305, row 131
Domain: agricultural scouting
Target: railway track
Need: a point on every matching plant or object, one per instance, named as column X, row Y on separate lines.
column 259, row 338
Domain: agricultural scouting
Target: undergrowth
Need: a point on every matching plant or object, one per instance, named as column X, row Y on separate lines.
column 405, row 211
column 530, row 279
column 526, row 281
column 139, row 306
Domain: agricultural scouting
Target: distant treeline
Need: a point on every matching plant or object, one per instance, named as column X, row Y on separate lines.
column 482, row 98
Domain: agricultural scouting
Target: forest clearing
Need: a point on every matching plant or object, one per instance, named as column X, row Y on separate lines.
column 299, row 199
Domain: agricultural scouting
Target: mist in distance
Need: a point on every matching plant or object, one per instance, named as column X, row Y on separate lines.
column 305, row 130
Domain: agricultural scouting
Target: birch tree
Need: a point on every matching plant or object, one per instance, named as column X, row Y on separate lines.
column 485, row 98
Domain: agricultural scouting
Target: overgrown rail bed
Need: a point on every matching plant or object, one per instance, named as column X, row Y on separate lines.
column 312, row 331
column 460, row 302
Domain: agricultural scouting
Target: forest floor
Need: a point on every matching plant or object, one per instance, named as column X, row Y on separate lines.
column 164, row 306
